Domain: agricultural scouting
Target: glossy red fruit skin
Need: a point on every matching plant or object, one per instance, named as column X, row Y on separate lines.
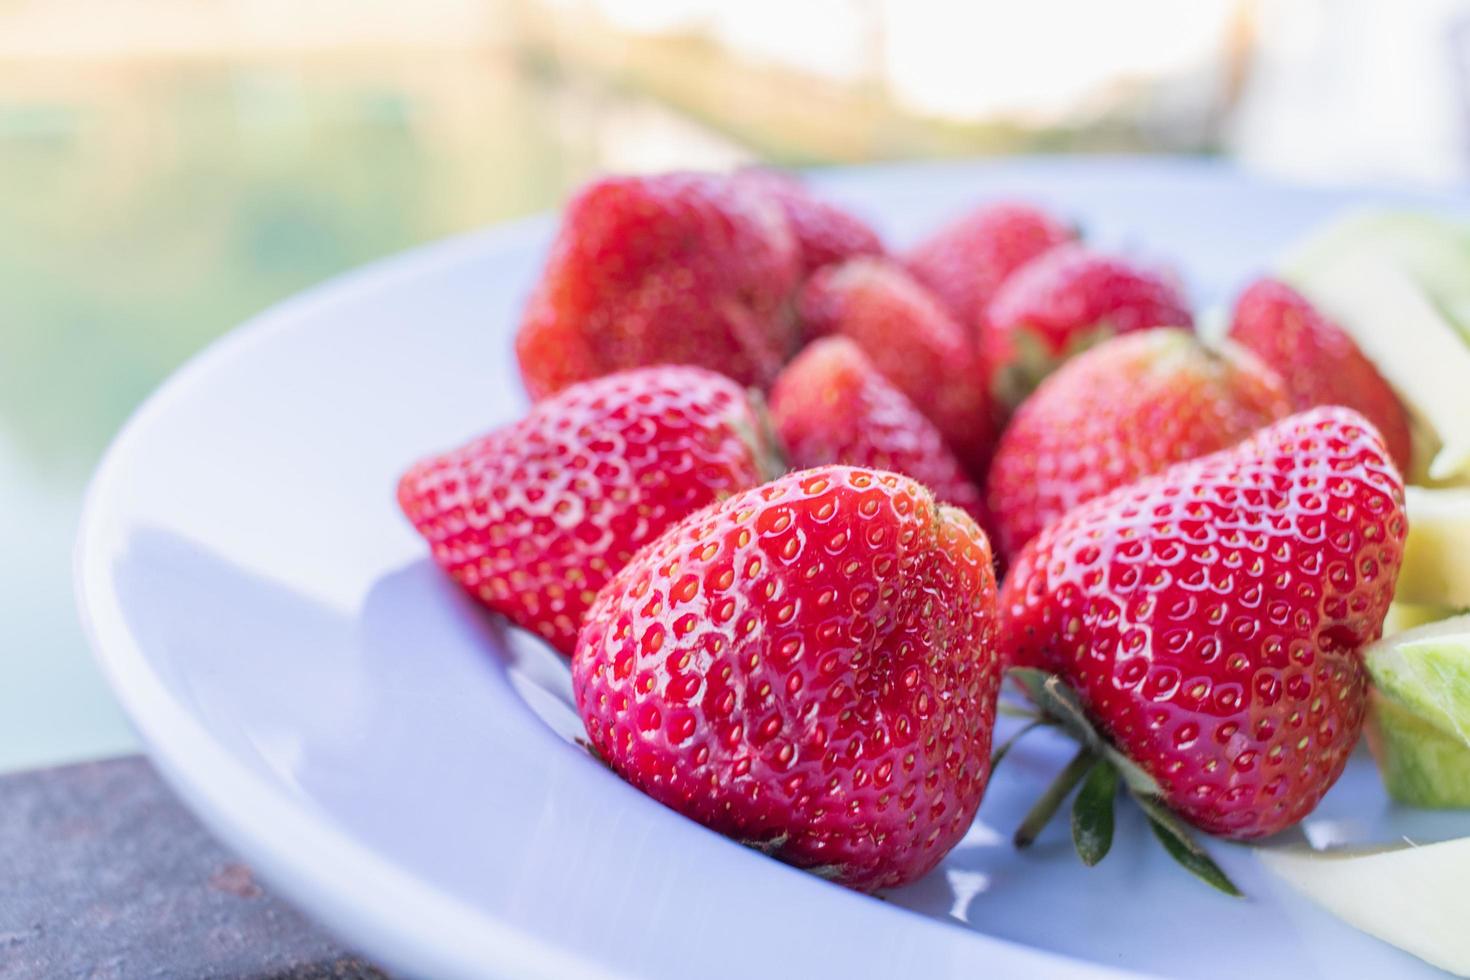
column 831, row 405
column 1127, row 408
column 1320, row 363
column 967, row 260
column 807, row 667
column 825, row 233
column 1065, row 299
column 532, row 519
column 1211, row 616
column 670, row 269
column 912, row 342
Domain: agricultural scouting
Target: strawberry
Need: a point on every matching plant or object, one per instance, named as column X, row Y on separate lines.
column 912, row 342
column 831, row 405
column 1207, row 621
column 672, row 269
column 1062, row 302
column 806, row 667
column 533, row 518
column 1319, row 361
column 824, row 232
column 967, row 260
column 1122, row 410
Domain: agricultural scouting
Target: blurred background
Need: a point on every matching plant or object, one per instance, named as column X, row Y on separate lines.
column 169, row 167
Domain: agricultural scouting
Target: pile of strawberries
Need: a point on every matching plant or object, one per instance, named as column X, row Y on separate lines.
column 773, row 472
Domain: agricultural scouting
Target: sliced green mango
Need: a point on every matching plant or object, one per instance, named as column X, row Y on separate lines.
column 1434, row 252
column 1407, row 615
column 1436, row 567
column 1412, row 897
column 1421, row 765
column 1419, row 716
column 1414, row 347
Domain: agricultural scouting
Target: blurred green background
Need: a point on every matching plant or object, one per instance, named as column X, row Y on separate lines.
column 170, row 167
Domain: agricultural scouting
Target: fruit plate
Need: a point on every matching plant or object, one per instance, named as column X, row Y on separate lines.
column 404, row 766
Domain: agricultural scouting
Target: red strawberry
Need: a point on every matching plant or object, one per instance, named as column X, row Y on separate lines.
column 1319, row 361
column 1067, row 300
column 672, row 269
column 912, row 342
column 808, row 668
column 533, row 518
column 825, row 232
column 831, row 405
column 1209, row 617
column 1122, row 410
column 967, row 260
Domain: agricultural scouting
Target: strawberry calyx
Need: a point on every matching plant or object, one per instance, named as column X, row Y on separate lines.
column 1036, row 355
column 773, row 847
column 764, row 442
column 1095, row 772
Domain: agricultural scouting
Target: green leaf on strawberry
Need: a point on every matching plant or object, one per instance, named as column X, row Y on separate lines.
column 1092, row 813
column 1060, row 704
column 1184, row 848
column 1097, row 768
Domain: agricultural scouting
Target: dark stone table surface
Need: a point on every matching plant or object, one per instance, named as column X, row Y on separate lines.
column 104, row 875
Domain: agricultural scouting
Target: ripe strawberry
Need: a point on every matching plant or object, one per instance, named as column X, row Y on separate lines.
column 1062, row 302
column 1319, row 361
column 672, row 269
column 967, row 260
column 912, row 342
column 808, row 668
column 1122, row 410
column 533, row 518
column 1209, row 617
column 831, row 405
column 825, row 232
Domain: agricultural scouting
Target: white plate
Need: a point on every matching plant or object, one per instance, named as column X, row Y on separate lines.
column 401, row 765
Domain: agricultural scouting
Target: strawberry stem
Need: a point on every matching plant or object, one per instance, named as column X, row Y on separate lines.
column 1000, row 753
column 1010, row 709
column 1104, row 767
column 1046, row 807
